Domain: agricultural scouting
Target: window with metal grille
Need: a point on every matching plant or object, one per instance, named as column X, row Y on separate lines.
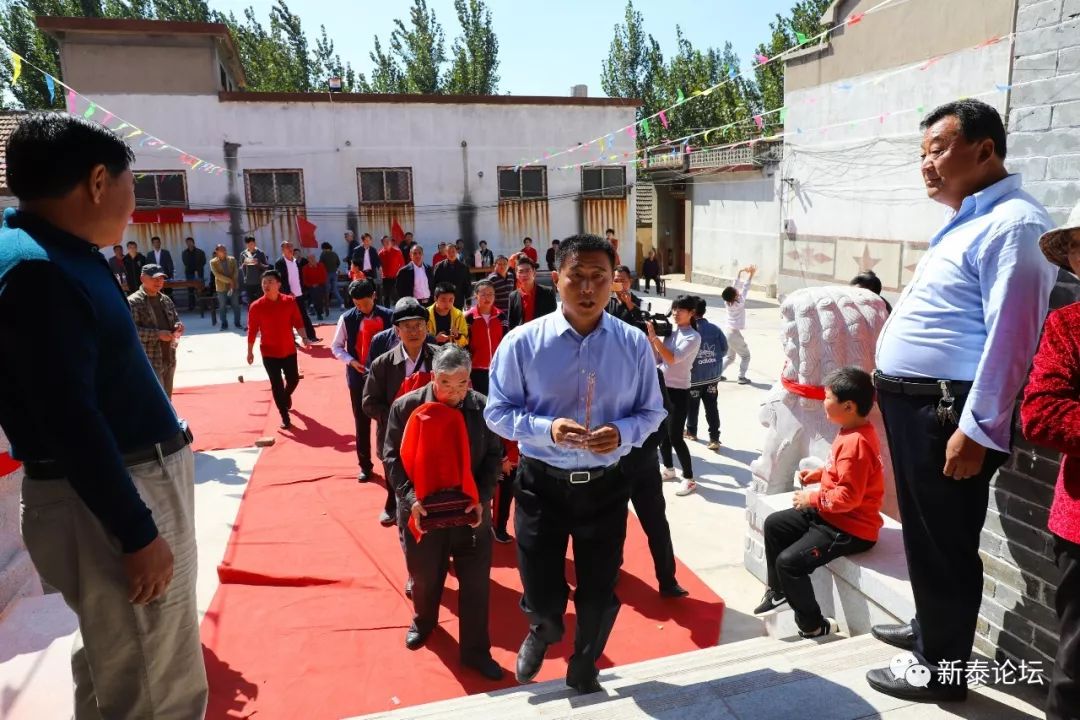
column 384, row 185
column 603, row 181
column 274, row 188
column 161, row 189
column 527, row 183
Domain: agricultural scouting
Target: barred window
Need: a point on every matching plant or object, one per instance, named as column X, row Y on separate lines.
column 161, row 189
column 274, row 188
column 384, row 185
column 603, row 181
column 527, row 183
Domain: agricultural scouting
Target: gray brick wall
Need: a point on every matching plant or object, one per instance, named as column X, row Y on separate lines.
column 1017, row 618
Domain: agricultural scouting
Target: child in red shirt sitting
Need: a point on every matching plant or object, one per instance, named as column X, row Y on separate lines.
column 840, row 517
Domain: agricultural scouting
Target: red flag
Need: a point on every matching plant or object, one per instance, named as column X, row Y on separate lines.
column 396, row 232
column 306, row 231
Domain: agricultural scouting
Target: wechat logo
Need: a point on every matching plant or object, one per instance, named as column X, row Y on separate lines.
column 906, row 666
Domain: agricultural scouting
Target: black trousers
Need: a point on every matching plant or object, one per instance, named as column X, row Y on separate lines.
column 302, row 302
column 479, row 380
column 504, row 495
column 253, row 292
column 363, row 429
column 1064, row 700
column 796, row 543
column 551, row 512
column 428, row 561
column 647, row 494
column 676, row 421
column 284, row 377
column 705, row 394
column 942, row 520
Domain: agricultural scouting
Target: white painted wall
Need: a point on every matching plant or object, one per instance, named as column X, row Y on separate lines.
column 862, row 181
column 736, row 222
column 330, row 141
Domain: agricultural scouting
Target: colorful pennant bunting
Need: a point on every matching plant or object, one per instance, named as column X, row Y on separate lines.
column 663, row 118
column 802, row 39
column 51, row 85
column 16, row 67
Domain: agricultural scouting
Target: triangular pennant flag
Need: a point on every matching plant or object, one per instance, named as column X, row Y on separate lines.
column 72, row 101
column 16, row 67
column 801, row 38
column 855, row 18
column 759, row 121
column 90, row 111
column 783, row 113
column 105, row 120
column 51, row 85
column 663, row 118
column 919, row 109
column 645, row 127
column 134, row 134
column 1002, row 88
column 631, row 132
column 733, row 73
column 761, row 59
column 603, row 144
column 680, row 98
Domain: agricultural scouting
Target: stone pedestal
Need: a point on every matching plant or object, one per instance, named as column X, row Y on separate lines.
column 17, row 575
column 825, row 328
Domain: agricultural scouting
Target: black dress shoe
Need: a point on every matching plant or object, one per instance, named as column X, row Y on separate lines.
column 530, row 658
column 501, row 536
column 584, row 687
column 883, row 681
column 488, row 668
column 414, row 639
column 363, row 476
column 674, row 591
column 901, row 636
column 386, row 519
column 285, row 424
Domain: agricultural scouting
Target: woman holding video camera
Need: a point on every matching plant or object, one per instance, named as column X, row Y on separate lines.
column 676, row 354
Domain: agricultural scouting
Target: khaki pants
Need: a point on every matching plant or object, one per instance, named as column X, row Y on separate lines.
column 128, row 661
column 165, row 377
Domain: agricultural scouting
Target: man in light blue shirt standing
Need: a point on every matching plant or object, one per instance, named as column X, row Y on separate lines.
column 951, row 360
column 576, row 389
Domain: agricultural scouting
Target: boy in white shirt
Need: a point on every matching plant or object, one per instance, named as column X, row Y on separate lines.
column 735, row 297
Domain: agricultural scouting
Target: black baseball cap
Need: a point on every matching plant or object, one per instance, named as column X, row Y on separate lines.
column 154, row 270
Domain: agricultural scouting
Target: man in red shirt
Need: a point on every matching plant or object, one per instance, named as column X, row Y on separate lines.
column 313, row 276
column 391, row 260
column 529, row 250
column 275, row 315
column 440, row 254
column 530, row 300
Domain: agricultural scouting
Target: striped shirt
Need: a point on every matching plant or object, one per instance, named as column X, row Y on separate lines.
column 503, row 287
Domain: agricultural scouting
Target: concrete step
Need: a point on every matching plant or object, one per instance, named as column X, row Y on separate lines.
column 758, row 679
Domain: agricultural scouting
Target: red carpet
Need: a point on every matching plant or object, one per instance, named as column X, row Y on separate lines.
column 225, row 417
column 310, row 618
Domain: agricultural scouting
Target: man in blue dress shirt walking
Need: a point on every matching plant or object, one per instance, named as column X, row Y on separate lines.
column 571, row 440
column 951, row 361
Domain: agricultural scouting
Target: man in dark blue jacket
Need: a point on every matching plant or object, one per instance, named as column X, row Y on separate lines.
column 352, row 345
column 108, row 494
column 705, row 376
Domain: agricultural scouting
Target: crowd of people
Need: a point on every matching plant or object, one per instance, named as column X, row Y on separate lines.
column 582, row 389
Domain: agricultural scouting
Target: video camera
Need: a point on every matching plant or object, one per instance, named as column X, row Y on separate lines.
column 660, row 321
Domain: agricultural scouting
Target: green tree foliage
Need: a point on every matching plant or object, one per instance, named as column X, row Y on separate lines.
column 420, row 49
column 634, row 66
column 805, row 18
column 476, row 52
column 387, row 76
column 326, row 63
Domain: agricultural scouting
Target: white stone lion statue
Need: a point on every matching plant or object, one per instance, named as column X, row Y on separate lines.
column 825, row 328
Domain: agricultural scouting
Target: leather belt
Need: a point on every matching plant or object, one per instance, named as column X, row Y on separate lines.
column 928, row 387
column 56, row 470
column 574, row 477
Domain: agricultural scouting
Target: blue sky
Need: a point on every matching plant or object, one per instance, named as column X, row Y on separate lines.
column 545, row 46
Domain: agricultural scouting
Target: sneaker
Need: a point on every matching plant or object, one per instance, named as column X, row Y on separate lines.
column 690, row 436
column 770, row 601
column 501, row 536
column 686, row 487
column 828, row 627
column 744, row 380
column 713, row 445
column 667, row 474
